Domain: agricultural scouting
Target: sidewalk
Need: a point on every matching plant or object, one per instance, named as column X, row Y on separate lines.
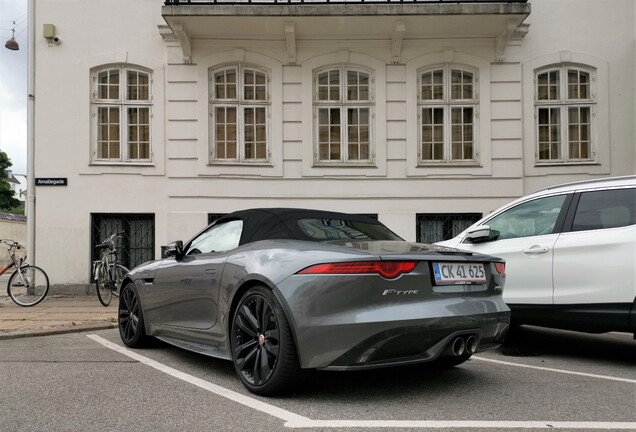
column 55, row 315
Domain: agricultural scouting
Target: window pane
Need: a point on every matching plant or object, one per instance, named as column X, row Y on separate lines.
column 461, row 84
column 432, row 138
column 329, row 134
column 578, row 84
column 108, row 84
column 462, row 135
column 329, row 85
column 549, row 133
column 254, row 131
column 536, row 217
column 358, row 133
column 225, row 84
column 254, row 87
column 225, row 129
column 548, row 85
column 357, row 86
column 108, row 133
column 579, row 144
column 432, row 85
column 138, row 86
column 605, row 209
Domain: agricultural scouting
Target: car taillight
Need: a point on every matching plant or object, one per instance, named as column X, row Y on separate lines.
column 501, row 268
column 386, row 269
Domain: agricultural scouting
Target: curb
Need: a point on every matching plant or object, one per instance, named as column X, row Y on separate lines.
column 57, row 331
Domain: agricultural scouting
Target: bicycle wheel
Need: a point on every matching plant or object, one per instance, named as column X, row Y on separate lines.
column 120, row 272
column 103, row 285
column 28, row 285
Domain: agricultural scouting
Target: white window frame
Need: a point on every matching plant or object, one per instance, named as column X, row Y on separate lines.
column 343, row 104
column 122, row 104
column 563, row 104
column 447, row 104
column 240, row 103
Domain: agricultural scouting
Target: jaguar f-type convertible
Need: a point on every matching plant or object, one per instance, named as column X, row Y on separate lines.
column 281, row 291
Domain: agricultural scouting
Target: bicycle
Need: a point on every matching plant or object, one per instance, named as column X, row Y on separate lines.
column 107, row 272
column 28, row 285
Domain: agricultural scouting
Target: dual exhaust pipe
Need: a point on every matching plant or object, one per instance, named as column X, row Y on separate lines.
column 461, row 345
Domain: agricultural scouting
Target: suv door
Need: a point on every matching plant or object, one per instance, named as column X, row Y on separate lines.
column 524, row 235
column 594, row 280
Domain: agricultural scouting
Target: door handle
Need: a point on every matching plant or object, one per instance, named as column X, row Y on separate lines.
column 535, row 250
column 210, row 271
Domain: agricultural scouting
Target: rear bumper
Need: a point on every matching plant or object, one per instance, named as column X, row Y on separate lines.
column 345, row 332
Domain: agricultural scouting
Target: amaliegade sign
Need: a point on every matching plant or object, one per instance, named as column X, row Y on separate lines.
column 51, row 181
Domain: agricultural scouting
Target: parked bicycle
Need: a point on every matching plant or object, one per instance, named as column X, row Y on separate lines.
column 28, row 285
column 107, row 272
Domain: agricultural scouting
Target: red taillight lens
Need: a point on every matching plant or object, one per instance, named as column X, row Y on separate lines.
column 501, row 268
column 386, row 269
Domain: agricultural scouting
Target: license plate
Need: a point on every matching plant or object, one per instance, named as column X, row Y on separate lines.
column 459, row 273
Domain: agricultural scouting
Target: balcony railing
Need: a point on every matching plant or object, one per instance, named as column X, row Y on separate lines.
column 212, row 2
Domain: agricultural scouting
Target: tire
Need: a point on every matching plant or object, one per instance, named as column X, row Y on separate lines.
column 102, row 282
column 131, row 322
column 263, row 349
column 36, row 288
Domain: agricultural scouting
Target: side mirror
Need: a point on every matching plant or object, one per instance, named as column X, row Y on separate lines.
column 479, row 234
column 174, row 249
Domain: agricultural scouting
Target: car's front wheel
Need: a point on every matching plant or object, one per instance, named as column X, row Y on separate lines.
column 263, row 349
column 131, row 318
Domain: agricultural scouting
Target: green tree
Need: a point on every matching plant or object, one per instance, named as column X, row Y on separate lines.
column 8, row 201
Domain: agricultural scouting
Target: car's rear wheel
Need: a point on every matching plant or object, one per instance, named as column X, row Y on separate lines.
column 263, row 349
column 131, row 318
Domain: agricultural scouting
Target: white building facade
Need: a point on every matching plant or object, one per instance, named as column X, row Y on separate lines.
column 153, row 117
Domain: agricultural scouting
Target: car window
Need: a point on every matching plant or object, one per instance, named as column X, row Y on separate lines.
column 536, row 217
column 605, row 209
column 217, row 238
column 335, row 229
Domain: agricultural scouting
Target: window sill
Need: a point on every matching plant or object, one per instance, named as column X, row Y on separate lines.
column 471, row 164
column 344, row 165
column 240, row 164
column 563, row 164
column 122, row 164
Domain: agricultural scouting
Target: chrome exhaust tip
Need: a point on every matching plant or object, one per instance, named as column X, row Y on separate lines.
column 471, row 344
column 458, row 346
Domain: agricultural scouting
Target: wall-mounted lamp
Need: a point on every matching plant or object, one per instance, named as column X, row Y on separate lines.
column 48, row 31
column 12, row 44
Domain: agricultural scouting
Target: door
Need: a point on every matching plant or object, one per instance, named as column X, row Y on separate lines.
column 524, row 235
column 594, row 262
column 186, row 290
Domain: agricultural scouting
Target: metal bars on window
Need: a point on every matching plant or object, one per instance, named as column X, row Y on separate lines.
column 136, row 246
column 434, row 227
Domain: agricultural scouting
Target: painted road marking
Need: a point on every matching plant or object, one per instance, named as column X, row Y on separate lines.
column 563, row 371
column 293, row 420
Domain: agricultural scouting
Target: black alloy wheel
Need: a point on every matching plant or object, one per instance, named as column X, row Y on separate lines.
column 131, row 318
column 263, row 349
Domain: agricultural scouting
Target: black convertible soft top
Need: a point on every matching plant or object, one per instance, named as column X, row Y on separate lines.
column 283, row 223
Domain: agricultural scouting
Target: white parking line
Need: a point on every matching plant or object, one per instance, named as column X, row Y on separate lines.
column 296, row 421
column 563, row 371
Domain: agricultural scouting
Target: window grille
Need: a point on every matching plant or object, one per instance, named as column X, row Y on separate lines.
column 434, row 227
column 136, row 246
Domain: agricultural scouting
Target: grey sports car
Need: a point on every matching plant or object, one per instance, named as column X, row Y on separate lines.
column 280, row 291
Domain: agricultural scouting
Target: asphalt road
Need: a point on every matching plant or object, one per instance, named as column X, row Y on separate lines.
column 541, row 379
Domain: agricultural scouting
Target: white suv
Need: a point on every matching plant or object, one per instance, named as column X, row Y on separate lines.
column 570, row 254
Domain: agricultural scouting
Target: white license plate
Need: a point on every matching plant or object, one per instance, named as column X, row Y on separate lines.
column 459, row 273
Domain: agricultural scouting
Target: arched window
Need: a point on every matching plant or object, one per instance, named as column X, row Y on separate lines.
column 447, row 111
column 239, row 111
column 343, row 109
column 564, row 112
column 122, row 108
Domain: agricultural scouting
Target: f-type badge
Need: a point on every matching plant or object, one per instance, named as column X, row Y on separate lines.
column 399, row 292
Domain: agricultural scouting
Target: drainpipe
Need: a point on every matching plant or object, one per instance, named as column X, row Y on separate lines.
column 30, row 202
